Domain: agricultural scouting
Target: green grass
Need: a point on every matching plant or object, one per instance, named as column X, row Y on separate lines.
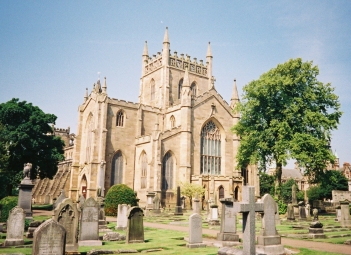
column 172, row 242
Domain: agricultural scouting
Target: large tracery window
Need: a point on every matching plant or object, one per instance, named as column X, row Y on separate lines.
column 143, row 170
column 117, row 169
column 210, row 149
column 120, row 119
column 167, row 172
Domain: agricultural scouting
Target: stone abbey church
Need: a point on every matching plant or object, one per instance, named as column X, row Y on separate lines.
column 178, row 132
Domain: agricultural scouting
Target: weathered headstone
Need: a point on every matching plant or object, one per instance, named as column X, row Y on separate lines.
column 345, row 219
column 89, row 224
column 49, row 238
column 156, row 204
column 149, row 200
column 81, row 201
column 228, row 222
column 135, row 228
column 290, row 210
column 302, row 211
column 268, row 240
column 338, row 213
column 15, row 227
column 213, row 221
column 60, row 198
column 102, row 218
column 315, row 230
column 195, row 231
column 196, row 205
column 25, row 192
column 66, row 213
column 248, row 207
column 32, row 227
column 122, row 218
column 308, row 211
column 183, row 198
column 178, row 208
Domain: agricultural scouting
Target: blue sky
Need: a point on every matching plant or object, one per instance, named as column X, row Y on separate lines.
column 50, row 51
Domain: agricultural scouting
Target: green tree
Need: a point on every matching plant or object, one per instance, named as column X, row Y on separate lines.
column 119, row 194
column 190, row 190
column 286, row 190
column 287, row 113
column 330, row 180
column 26, row 136
column 266, row 184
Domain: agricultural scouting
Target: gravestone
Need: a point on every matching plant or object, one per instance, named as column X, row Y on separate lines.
column 149, row 200
column 338, row 213
column 89, row 224
column 268, row 240
column 228, row 222
column 195, row 231
column 102, row 218
column 60, row 198
column 25, row 192
column 315, row 230
column 66, row 213
column 290, row 210
column 345, row 219
column 302, row 211
column 277, row 218
column 178, row 208
column 308, row 211
column 213, row 221
column 15, row 227
column 156, row 204
column 248, row 207
column 49, row 238
column 32, row 227
column 122, row 218
column 183, row 198
column 135, row 227
column 81, row 201
column 196, row 205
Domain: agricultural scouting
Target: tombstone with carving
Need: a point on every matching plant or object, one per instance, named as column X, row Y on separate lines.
column 25, row 192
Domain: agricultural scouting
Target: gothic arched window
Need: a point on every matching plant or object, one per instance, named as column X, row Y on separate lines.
column 193, row 89
column 117, row 169
column 172, row 119
column 120, row 119
column 143, row 170
column 167, row 172
column 221, row 192
column 180, row 85
column 152, row 89
column 89, row 133
column 210, row 149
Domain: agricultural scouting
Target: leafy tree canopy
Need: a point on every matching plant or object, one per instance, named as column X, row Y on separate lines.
column 190, row 190
column 330, row 180
column 26, row 136
column 266, row 184
column 288, row 114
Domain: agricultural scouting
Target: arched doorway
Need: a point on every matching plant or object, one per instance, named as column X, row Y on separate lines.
column 83, row 184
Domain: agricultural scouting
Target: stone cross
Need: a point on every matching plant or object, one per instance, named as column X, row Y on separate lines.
column 248, row 207
column 268, row 240
column 49, row 238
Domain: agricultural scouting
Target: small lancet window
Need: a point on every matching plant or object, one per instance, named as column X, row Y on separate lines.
column 172, row 119
column 180, row 85
column 120, row 119
column 193, row 89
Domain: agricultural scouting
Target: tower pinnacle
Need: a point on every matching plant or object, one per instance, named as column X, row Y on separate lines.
column 209, row 51
column 145, row 52
column 166, row 38
column 235, row 96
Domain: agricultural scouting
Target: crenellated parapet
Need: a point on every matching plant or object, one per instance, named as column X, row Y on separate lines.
column 153, row 63
column 183, row 63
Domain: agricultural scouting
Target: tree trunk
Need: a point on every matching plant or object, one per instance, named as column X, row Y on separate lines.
column 278, row 178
